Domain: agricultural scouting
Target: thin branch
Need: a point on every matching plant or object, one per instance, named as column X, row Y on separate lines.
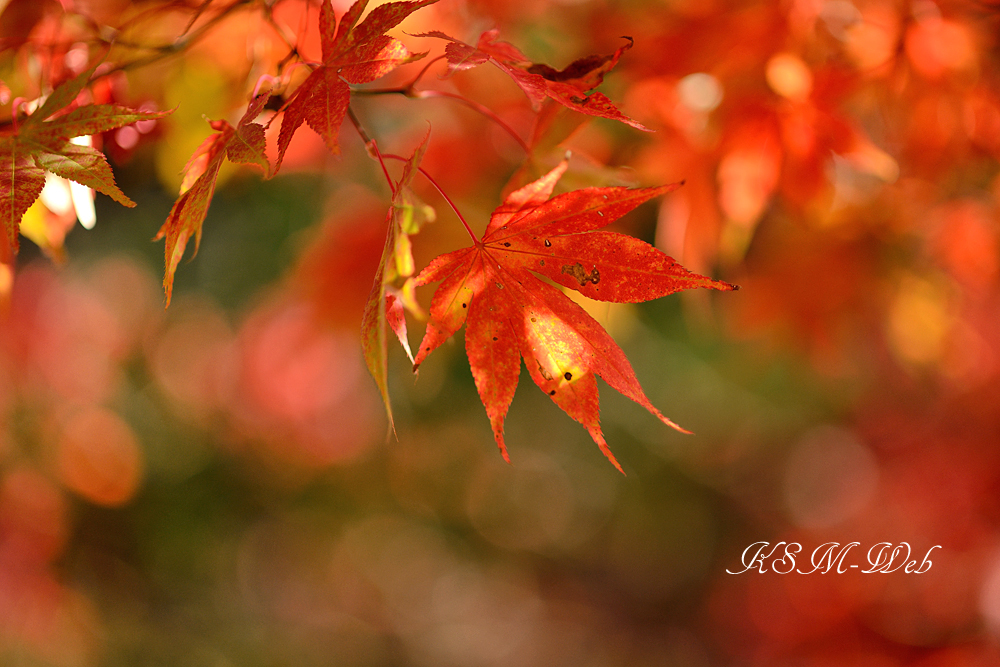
column 441, row 192
column 186, row 39
column 423, row 71
column 282, row 31
column 195, row 16
column 365, row 137
column 373, row 151
column 476, row 106
column 374, row 147
column 427, row 94
column 406, row 90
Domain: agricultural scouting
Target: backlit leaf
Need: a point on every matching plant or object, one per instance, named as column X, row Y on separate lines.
column 353, row 53
column 385, row 306
column 39, row 145
column 494, row 287
column 243, row 144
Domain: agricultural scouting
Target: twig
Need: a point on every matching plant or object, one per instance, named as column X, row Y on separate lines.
column 441, row 192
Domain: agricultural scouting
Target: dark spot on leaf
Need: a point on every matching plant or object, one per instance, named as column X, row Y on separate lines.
column 548, row 243
column 579, row 100
column 495, row 338
column 506, row 245
column 499, row 285
column 552, row 393
column 541, row 262
column 568, row 375
column 533, row 319
column 464, row 305
column 581, row 275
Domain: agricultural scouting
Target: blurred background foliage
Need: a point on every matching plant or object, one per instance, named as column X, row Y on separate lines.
column 212, row 485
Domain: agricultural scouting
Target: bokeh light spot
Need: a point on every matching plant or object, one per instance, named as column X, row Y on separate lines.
column 829, row 477
column 99, row 458
column 700, row 92
column 789, row 76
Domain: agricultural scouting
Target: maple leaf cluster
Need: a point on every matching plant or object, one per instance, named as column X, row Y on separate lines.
column 840, row 162
column 497, row 284
column 512, row 313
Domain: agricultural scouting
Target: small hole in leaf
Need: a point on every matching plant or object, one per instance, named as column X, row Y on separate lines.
column 548, row 243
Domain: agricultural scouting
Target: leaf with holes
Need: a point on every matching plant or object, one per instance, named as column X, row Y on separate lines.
column 512, row 314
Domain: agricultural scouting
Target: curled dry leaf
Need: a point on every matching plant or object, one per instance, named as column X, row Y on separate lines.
column 570, row 87
column 243, row 144
column 385, row 306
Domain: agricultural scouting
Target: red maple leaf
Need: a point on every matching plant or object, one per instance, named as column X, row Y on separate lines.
column 352, row 53
column 512, row 314
column 243, row 144
column 570, row 87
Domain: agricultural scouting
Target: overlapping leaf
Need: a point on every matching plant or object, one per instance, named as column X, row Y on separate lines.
column 384, row 309
column 352, row 53
column 512, row 314
column 243, row 144
column 42, row 143
column 570, row 87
